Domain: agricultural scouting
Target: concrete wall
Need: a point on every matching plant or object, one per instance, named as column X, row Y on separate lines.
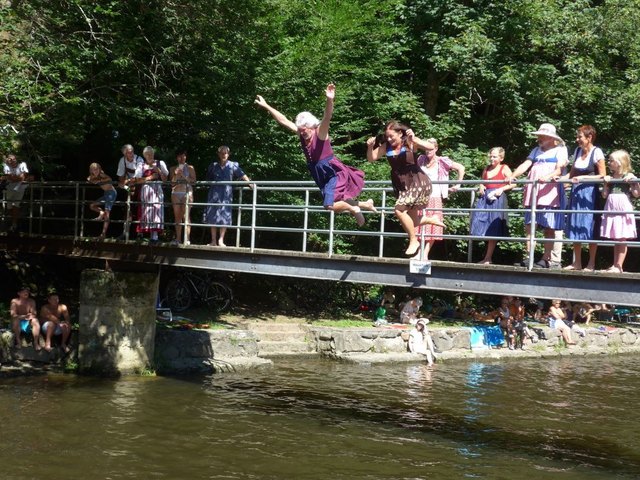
column 206, row 351
column 117, row 322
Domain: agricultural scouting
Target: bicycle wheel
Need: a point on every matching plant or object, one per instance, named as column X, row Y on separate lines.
column 178, row 295
column 217, row 296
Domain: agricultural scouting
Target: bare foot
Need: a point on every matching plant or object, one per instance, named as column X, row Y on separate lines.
column 573, row 267
column 589, row 268
column 412, row 249
column 47, row 348
column 613, row 269
column 431, row 221
column 66, row 348
column 221, row 243
column 37, row 347
column 368, row 205
column 484, row 262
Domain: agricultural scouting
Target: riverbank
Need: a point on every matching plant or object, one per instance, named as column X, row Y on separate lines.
column 246, row 341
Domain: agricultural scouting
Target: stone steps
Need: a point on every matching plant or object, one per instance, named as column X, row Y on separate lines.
column 284, row 348
column 282, row 339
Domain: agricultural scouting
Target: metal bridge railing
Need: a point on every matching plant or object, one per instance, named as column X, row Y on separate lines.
column 61, row 208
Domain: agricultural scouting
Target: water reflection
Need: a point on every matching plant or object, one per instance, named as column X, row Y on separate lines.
column 561, row 418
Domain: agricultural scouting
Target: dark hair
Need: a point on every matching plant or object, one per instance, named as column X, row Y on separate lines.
column 381, row 138
column 588, row 131
column 181, row 151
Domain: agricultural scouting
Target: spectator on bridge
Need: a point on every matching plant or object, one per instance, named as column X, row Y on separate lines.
column 55, row 318
column 411, row 185
column 14, row 175
column 108, row 198
column 588, row 165
column 493, row 221
column 23, row 318
column 340, row 184
column 618, row 221
column 219, row 198
column 546, row 161
column 437, row 169
column 557, row 317
column 151, row 209
column 420, row 341
column 126, row 180
column 182, row 177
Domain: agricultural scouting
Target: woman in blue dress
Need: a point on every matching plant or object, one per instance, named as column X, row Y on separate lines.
column 588, row 164
column 218, row 212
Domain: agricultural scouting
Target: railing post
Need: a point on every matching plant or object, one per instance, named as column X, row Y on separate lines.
column 127, row 222
column 79, row 213
column 470, row 244
column 239, row 218
column 305, row 223
column 331, row 227
column 254, row 211
column 532, row 225
column 382, row 223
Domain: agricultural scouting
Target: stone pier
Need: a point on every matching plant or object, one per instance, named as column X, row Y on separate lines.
column 117, row 322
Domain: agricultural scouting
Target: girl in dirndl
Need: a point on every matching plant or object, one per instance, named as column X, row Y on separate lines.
column 618, row 221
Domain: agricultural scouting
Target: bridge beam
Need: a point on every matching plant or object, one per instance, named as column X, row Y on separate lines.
column 599, row 287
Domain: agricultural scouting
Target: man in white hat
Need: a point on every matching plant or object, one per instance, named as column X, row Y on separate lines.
column 546, row 161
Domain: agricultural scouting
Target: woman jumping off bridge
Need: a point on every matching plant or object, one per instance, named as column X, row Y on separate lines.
column 340, row 184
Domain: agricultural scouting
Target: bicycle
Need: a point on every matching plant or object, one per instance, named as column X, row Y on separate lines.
column 189, row 287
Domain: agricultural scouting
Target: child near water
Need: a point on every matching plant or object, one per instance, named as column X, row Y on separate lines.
column 98, row 177
column 618, row 222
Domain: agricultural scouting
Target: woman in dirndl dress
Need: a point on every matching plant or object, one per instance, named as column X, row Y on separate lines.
column 411, row 185
column 437, row 169
column 339, row 184
column 151, row 208
column 489, row 219
column 588, row 164
column 545, row 164
column 618, row 219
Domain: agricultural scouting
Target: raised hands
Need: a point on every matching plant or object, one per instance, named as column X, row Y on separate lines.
column 330, row 92
column 261, row 102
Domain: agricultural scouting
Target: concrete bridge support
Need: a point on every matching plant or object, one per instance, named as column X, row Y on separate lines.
column 117, row 322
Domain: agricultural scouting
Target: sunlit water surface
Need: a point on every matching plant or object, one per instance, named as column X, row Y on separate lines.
column 569, row 418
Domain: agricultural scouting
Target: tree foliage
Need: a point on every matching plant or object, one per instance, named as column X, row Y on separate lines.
column 80, row 78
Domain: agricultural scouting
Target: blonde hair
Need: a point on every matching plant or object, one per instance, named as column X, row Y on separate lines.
column 500, row 151
column 433, row 141
column 307, row 119
column 623, row 158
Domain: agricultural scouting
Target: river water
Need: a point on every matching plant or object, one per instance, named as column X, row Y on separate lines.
column 566, row 418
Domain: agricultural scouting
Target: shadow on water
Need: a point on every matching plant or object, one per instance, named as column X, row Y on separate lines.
column 538, row 439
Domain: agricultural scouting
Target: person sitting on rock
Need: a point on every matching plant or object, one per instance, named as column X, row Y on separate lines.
column 420, row 341
column 23, row 318
column 55, row 318
column 557, row 318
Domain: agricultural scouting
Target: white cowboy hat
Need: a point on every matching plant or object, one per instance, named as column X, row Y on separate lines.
column 548, row 130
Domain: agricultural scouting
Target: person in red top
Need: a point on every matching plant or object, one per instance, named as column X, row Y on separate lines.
column 489, row 220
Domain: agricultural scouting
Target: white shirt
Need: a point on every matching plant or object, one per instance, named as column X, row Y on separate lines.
column 17, row 170
column 124, row 164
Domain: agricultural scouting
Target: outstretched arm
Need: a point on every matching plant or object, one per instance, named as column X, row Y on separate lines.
column 323, row 128
column 373, row 152
column 278, row 117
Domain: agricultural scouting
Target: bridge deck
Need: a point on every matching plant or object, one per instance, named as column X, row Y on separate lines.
column 599, row 287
